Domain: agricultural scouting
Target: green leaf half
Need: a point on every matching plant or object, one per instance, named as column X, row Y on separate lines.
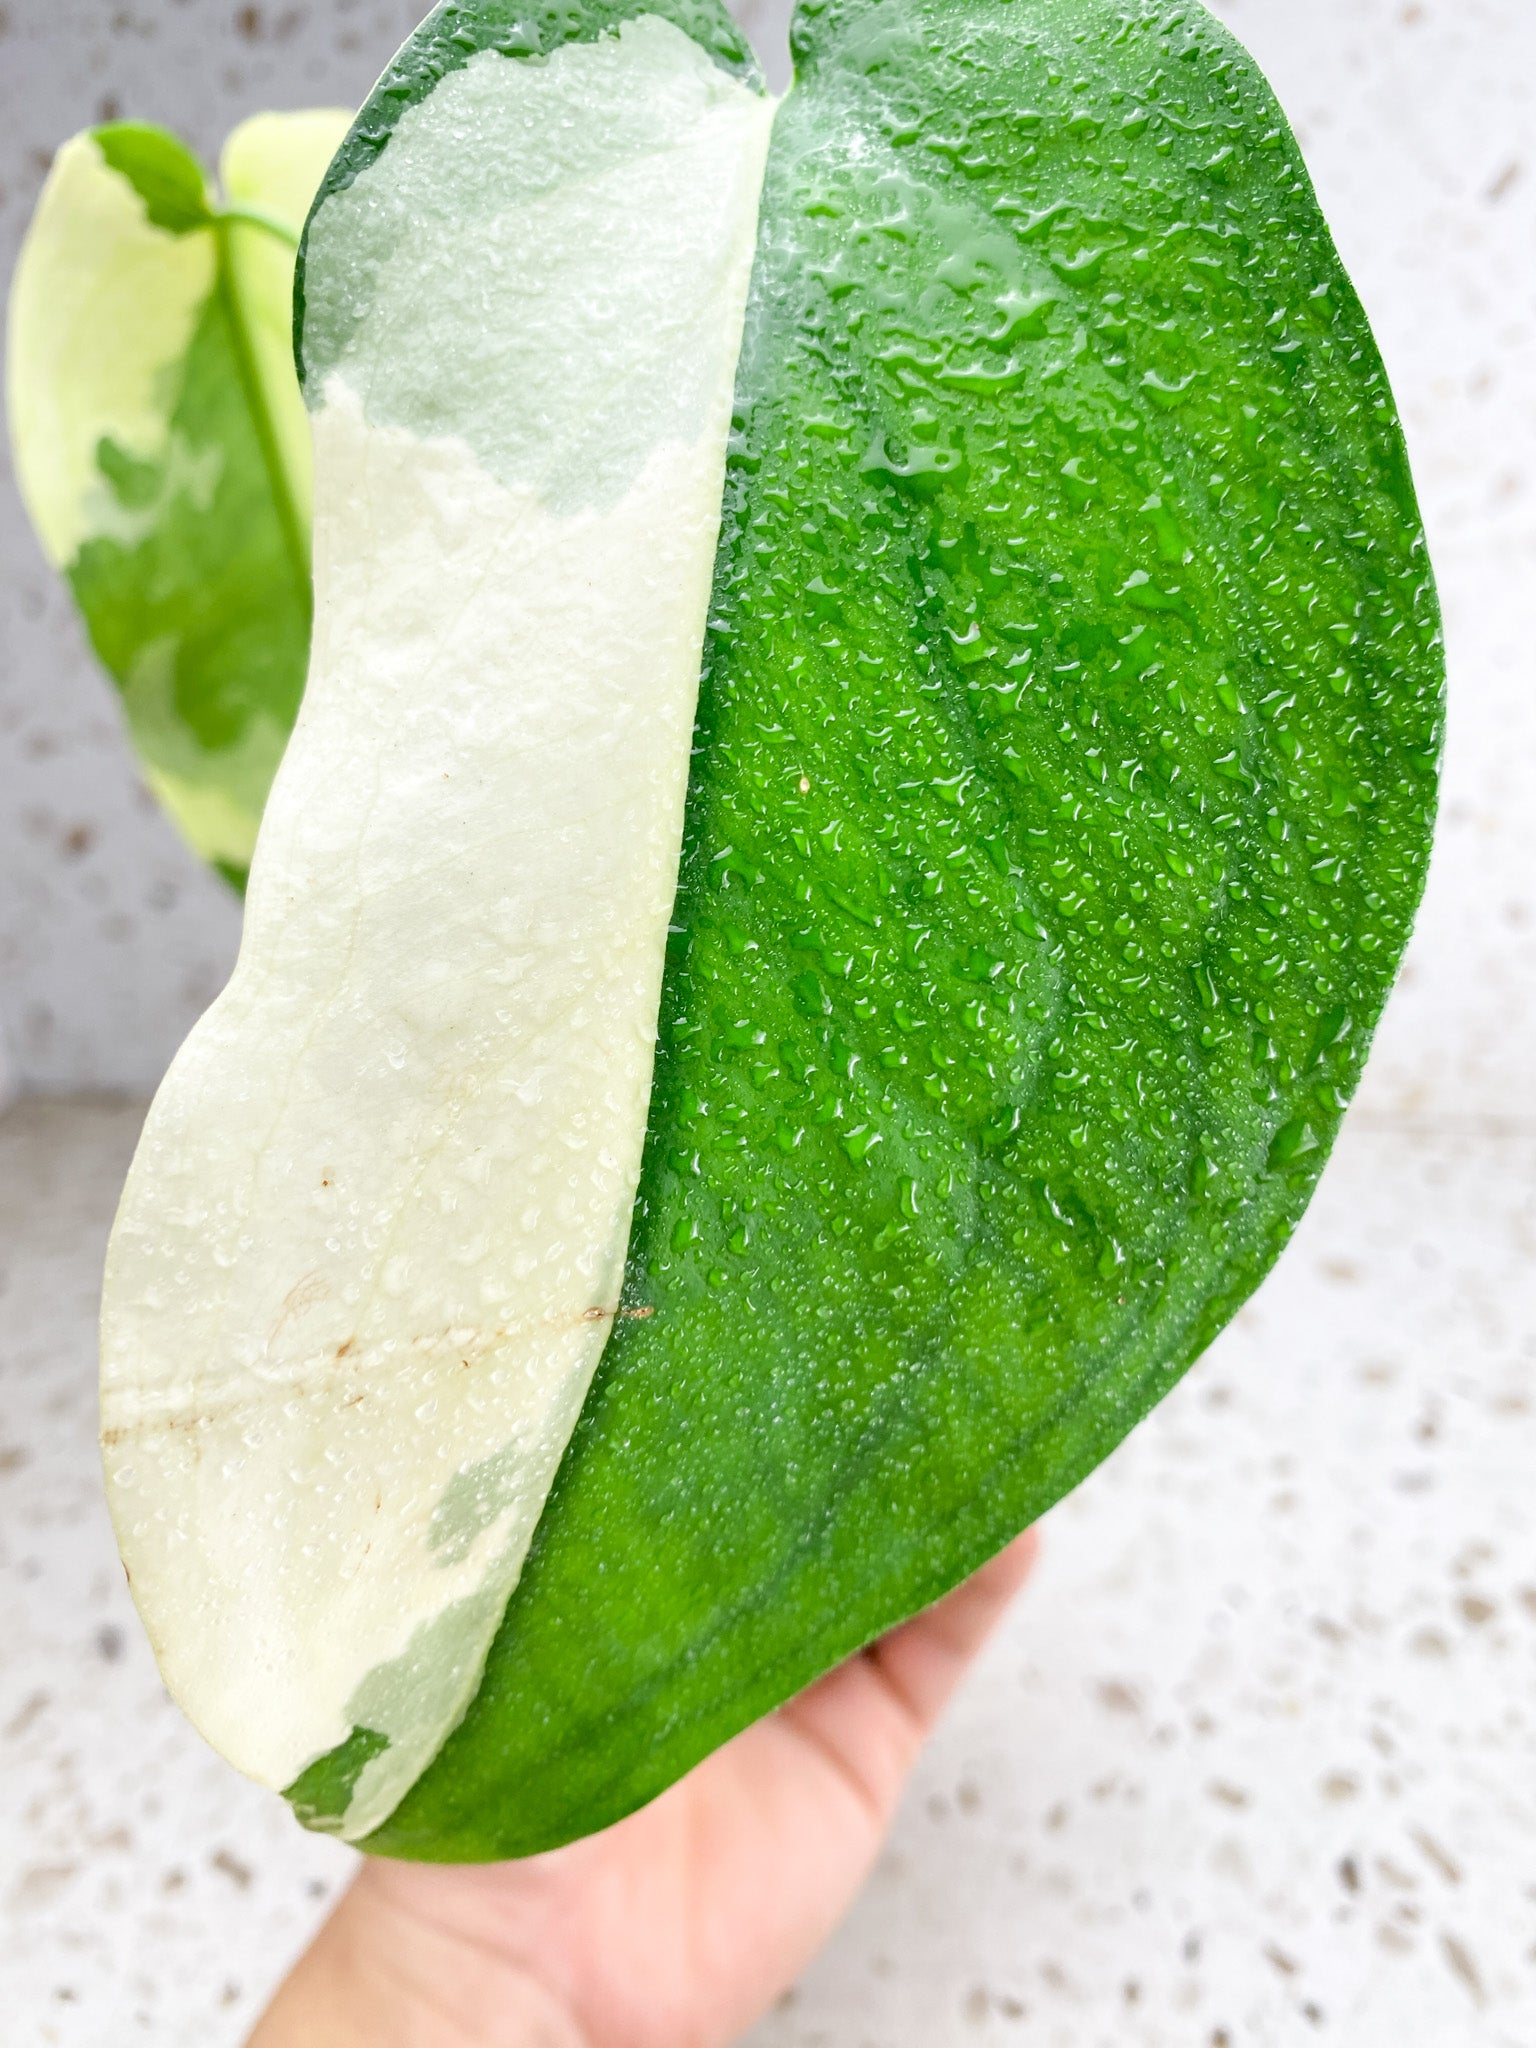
column 1063, row 790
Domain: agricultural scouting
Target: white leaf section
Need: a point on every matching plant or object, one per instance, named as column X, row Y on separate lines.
column 372, row 1242
column 102, row 310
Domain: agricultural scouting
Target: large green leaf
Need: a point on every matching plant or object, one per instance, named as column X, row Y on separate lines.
column 162, row 448
column 1059, row 797
column 1062, row 794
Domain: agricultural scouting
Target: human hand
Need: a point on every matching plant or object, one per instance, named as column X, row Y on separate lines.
column 677, row 1927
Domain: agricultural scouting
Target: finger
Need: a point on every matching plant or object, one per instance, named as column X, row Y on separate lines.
column 926, row 1658
column 871, row 1716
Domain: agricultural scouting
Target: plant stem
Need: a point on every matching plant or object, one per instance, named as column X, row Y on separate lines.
column 258, row 217
column 294, row 526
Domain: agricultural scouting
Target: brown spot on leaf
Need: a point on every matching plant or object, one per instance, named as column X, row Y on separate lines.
column 303, row 1294
column 123, row 1432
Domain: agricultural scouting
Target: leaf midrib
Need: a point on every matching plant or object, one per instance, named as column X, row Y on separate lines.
column 258, row 402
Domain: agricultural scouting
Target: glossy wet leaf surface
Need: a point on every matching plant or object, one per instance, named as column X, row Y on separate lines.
column 1062, row 793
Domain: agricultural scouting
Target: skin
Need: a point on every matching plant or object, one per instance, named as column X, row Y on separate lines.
column 678, row 1927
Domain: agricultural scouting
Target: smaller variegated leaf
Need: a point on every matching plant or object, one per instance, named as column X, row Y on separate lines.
column 161, row 445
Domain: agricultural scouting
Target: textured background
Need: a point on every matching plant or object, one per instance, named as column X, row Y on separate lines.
column 1418, row 118
column 1253, row 1763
